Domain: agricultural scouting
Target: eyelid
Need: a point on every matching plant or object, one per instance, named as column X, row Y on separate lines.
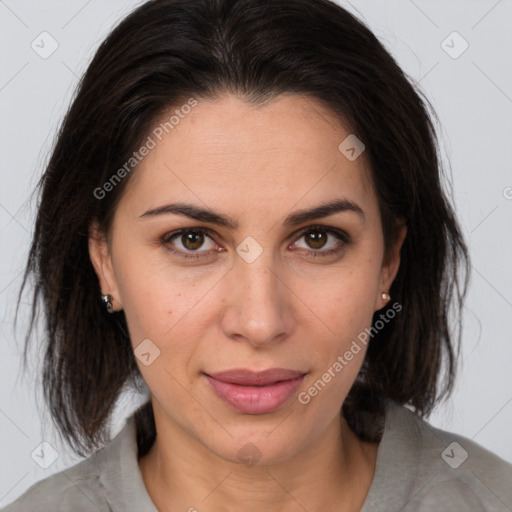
column 340, row 233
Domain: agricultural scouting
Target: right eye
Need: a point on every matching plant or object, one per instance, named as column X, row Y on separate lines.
column 191, row 240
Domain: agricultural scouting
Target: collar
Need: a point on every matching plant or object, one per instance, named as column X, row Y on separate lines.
column 120, row 474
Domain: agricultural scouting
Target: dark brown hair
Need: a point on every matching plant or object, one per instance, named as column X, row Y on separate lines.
column 169, row 50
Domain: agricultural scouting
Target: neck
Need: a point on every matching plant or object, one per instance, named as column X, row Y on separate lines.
column 335, row 470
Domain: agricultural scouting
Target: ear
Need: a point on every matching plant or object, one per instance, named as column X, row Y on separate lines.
column 390, row 266
column 101, row 259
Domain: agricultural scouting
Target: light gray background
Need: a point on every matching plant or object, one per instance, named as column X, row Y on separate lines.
column 472, row 95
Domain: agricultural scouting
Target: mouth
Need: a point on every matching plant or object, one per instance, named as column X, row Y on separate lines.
column 251, row 392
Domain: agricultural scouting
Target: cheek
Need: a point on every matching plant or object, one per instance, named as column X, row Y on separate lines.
column 170, row 307
column 345, row 304
column 346, row 309
column 345, row 300
column 154, row 295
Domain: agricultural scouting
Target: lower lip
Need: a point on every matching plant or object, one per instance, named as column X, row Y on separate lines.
column 255, row 399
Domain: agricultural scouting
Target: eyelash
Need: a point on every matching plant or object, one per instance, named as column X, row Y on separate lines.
column 341, row 235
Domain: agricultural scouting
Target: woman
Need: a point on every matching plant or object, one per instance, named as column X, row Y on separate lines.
column 244, row 212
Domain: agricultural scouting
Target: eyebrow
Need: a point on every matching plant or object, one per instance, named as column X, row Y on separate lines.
column 206, row 215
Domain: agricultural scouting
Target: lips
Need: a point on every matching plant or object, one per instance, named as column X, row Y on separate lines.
column 244, row 377
column 252, row 392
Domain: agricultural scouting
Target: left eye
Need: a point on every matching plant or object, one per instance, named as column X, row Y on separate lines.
column 316, row 238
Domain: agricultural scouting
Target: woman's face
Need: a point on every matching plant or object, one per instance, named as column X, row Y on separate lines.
column 257, row 294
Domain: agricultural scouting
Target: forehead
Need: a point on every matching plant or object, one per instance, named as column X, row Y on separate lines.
column 230, row 152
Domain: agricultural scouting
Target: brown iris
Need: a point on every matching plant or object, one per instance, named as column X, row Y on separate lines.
column 317, row 239
column 192, row 240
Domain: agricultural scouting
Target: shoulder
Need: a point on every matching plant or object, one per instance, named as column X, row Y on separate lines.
column 444, row 470
column 83, row 486
column 76, row 488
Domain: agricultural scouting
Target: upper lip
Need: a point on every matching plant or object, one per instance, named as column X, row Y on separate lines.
column 246, row 377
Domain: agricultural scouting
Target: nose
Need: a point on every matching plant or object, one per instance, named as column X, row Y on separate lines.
column 258, row 302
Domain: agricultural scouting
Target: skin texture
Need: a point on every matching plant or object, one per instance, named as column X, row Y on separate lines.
column 288, row 309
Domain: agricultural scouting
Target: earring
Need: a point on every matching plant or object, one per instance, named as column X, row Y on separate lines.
column 385, row 296
column 107, row 300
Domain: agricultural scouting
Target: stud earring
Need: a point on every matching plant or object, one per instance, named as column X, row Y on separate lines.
column 385, row 296
column 107, row 301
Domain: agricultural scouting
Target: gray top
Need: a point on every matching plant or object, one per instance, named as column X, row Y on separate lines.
column 419, row 468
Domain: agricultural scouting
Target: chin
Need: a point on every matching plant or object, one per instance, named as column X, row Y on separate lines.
column 260, row 449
